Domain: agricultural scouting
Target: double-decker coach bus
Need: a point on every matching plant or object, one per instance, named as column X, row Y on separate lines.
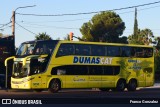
column 55, row 65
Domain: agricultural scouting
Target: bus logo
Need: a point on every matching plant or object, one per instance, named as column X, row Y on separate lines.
column 93, row 60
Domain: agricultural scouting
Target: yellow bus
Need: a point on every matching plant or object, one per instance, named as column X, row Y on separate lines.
column 56, row 65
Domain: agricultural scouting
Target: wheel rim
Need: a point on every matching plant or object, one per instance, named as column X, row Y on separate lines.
column 133, row 85
column 54, row 86
column 120, row 86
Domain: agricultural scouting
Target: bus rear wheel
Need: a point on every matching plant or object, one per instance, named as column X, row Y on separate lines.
column 132, row 85
column 121, row 85
column 54, row 86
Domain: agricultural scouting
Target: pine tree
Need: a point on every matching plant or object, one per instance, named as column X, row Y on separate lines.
column 135, row 33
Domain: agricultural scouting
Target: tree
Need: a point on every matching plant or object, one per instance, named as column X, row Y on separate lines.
column 135, row 32
column 105, row 27
column 141, row 37
column 43, row 36
column 144, row 37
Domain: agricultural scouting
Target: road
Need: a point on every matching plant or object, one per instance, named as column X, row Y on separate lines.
column 86, row 95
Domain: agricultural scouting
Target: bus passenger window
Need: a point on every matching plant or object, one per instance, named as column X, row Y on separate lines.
column 65, row 49
column 113, row 51
column 61, row 72
column 97, row 50
column 133, row 52
column 125, row 51
column 82, row 49
column 150, row 52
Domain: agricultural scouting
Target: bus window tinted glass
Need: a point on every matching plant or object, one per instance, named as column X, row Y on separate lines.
column 65, row 49
column 95, row 70
column 81, row 49
column 113, row 51
column 97, row 50
column 111, row 70
column 125, row 51
column 45, row 47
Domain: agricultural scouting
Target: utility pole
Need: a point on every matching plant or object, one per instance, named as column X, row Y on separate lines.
column 13, row 26
column 13, row 20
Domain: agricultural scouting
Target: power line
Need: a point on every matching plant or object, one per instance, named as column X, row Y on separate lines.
column 55, row 21
column 26, row 29
column 3, row 25
column 46, row 26
column 6, row 27
column 84, row 18
column 92, row 12
column 140, row 9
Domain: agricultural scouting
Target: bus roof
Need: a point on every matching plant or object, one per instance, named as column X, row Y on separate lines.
column 34, row 41
column 84, row 42
column 102, row 43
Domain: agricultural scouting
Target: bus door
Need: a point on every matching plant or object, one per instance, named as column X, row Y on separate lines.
column 80, row 81
column 69, row 81
column 36, row 81
column 95, row 76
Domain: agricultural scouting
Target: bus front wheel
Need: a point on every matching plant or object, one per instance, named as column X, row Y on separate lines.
column 54, row 86
column 132, row 85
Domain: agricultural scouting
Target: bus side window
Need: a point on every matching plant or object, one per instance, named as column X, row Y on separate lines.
column 150, row 52
column 60, row 52
column 133, row 52
column 61, row 72
column 97, row 50
column 65, row 49
column 125, row 51
column 82, row 49
column 113, row 51
column 95, row 70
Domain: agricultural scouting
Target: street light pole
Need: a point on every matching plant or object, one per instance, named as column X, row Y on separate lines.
column 13, row 20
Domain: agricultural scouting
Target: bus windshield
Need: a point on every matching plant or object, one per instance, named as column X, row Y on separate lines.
column 33, row 65
column 26, row 49
column 36, row 48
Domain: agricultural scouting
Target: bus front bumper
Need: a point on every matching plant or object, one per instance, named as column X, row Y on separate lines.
column 20, row 83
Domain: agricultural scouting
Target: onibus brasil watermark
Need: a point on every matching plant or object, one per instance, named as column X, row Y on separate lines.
column 19, row 101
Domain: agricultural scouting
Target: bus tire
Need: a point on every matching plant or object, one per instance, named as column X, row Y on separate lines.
column 104, row 89
column 132, row 85
column 54, row 86
column 121, row 85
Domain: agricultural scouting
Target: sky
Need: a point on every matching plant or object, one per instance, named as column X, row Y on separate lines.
column 59, row 26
